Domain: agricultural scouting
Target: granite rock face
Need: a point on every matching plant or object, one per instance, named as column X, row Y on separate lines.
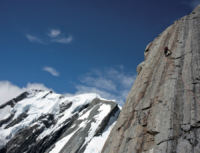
column 160, row 115
column 139, row 67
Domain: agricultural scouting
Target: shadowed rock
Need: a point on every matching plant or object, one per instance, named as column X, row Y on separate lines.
column 17, row 120
column 65, row 106
column 6, row 120
column 15, row 100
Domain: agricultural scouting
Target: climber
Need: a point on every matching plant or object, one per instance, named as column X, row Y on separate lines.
column 167, row 51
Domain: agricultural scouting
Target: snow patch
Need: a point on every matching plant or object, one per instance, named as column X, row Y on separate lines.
column 103, row 111
column 97, row 143
column 60, row 144
column 5, row 112
column 77, row 101
column 40, row 103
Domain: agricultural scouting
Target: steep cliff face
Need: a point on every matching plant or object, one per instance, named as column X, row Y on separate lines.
column 160, row 115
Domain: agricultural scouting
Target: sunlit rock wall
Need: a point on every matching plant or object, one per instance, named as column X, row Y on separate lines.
column 160, row 115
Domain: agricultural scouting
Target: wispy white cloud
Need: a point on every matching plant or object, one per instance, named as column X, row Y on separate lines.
column 99, row 82
column 53, row 33
column 119, row 96
column 121, row 67
column 81, row 89
column 51, row 70
column 9, row 91
column 59, row 37
column 110, row 83
column 192, row 3
column 34, row 39
column 63, row 39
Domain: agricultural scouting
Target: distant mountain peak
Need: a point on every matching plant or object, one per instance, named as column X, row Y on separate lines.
column 49, row 122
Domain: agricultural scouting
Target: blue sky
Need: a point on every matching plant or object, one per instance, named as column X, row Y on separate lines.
column 76, row 46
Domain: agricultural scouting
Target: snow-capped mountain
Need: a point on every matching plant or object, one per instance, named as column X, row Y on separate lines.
column 45, row 122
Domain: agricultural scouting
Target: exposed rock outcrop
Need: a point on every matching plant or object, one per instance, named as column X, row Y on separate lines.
column 160, row 115
column 14, row 100
column 139, row 67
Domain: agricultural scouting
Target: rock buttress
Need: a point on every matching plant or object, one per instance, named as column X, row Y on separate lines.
column 160, row 115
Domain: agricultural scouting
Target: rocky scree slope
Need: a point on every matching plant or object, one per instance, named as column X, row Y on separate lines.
column 40, row 121
column 160, row 115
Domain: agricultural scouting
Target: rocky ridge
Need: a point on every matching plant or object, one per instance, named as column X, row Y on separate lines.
column 45, row 122
column 160, row 115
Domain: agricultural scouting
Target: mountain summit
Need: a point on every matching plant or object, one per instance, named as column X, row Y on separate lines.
column 42, row 121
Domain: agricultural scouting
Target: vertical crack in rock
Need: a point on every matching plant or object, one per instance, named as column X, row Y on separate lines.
column 160, row 114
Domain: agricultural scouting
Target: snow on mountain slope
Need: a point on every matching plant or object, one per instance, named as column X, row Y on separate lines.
column 42, row 121
column 5, row 112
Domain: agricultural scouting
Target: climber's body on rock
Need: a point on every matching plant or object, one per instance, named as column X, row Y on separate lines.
column 167, row 52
